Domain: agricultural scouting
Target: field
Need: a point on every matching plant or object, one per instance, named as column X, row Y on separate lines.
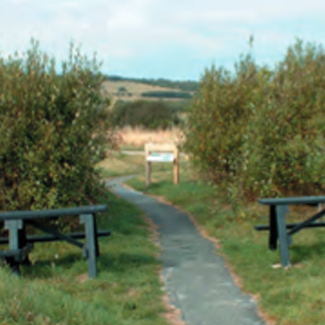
column 133, row 90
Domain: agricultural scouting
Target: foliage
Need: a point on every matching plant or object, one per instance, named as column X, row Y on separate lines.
column 149, row 114
column 122, row 89
column 286, row 139
column 53, row 130
column 179, row 106
column 186, row 85
column 261, row 131
column 167, row 94
column 217, row 119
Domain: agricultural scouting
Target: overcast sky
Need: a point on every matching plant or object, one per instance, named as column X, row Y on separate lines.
column 174, row 39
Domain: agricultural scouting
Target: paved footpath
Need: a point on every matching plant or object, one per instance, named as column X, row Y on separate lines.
column 196, row 277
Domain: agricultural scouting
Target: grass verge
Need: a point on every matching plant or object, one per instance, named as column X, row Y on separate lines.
column 54, row 290
column 287, row 297
column 119, row 164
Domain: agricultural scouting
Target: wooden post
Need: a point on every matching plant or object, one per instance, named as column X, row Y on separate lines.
column 162, row 148
column 176, row 166
column 147, row 165
column 148, row 173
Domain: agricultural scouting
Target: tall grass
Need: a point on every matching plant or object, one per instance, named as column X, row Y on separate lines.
column 137, row 137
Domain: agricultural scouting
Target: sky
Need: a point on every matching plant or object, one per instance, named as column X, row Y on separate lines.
column 172, row 39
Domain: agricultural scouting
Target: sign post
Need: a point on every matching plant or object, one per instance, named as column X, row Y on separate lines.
column 161, row 153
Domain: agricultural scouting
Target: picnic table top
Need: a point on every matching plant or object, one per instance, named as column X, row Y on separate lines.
column 292, row 200
column 32, row 214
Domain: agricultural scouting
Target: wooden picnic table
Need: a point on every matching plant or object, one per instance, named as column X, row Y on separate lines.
column 20, row 244
column 278, row 208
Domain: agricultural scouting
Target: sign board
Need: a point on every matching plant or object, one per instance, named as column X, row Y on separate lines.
column 161, row 157
column 167, row 152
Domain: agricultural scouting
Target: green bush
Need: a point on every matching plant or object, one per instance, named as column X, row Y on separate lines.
column 147, row 114
column 260, row 132
column 217, row 120
column 287, row 137
column 167, row 94
column 53, row 130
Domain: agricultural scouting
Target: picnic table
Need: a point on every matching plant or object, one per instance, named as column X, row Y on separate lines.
column 20, row 245
column 279, row 230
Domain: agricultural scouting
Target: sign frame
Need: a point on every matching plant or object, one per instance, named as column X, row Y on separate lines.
column 155, row 152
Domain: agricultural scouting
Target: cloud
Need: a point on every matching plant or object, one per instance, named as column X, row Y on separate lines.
column 183, row 31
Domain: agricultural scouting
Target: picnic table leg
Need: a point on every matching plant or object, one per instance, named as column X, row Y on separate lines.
column 22, row 237
column 88, row 221
column 273, row 234
column 15, row 237
column 281, row 211
column 95, row 235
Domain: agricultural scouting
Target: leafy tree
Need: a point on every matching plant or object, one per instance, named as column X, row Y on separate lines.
column 148, row 114
column 260, row 132
column 217, row 121
column 167, row 94
column 122, row 89
column 288, row 132
column 53, row 130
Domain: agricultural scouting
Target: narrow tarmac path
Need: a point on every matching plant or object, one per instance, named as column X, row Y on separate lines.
column 196, row 278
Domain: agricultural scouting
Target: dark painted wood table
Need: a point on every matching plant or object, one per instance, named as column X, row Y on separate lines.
column 279, row 230
column 20, row 244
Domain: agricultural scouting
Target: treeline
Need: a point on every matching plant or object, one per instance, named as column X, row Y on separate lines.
column 187, row 85
column 167, row 94
column 260, row 131
column 53, row 131
column 147, row 114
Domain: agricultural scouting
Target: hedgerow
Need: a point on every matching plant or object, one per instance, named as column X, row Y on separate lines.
column 148, row 114
column 53, row 130
column 258, row 131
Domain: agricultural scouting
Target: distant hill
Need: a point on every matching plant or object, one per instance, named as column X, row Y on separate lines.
column 131, row 89
column 187, row 85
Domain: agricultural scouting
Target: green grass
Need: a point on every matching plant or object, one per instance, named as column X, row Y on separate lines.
column 293, row 296
column 132, row 147
column 127, row 290
column 118, row 164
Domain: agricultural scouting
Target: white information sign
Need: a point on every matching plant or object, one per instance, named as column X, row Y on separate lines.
column 161, row 152
column 161, row 157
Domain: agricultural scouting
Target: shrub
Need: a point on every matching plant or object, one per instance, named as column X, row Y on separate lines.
column 217, row 121
column 167, row 94
column 261, row 131
column 53, row 130
column 148, row 114
column 288, row 133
